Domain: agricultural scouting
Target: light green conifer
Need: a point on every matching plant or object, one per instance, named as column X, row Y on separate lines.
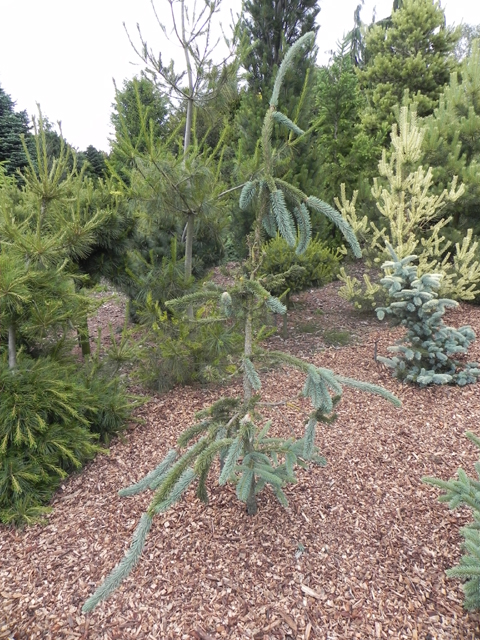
column 411, row 220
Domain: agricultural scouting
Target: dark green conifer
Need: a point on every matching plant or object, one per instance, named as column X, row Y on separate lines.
column 13, row 125
column 414, row 53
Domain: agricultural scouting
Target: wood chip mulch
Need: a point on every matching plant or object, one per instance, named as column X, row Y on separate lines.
column 359, row 553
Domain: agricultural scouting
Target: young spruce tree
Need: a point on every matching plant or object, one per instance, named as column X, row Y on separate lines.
column 232, row 428
column 427, row 352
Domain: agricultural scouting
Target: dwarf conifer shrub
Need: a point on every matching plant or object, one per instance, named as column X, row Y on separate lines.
column 458, row 492
column 177, row 350
column 44, row 434
column 426, row 354
column 316, row 266
column 234, row 430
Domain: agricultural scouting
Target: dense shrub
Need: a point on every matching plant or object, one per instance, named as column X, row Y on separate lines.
column 313, row 268
column 43, row 433
column 179, row 351
column 52, row 418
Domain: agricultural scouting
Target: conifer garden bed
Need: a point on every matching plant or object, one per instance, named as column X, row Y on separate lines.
column 359, row 553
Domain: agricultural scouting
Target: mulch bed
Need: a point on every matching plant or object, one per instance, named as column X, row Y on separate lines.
column 359, row 553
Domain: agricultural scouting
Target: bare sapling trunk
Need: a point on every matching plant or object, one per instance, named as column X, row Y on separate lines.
column 12, row 347
column 186, row 145
column 189, row 256
column 247, row 396
column 84, row 338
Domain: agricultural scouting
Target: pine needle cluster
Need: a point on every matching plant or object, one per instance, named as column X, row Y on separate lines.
column 465, row 491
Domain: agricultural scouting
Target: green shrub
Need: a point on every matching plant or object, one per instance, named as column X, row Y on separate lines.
column 424, row 355
column 111, row 406
column 313, row 268
column 336, row 337
column 44, row 434
column 154, row 279
column 51, row 420
column 179, row 351
column 465, row 491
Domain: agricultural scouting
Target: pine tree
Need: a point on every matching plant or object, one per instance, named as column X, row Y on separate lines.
column 451, row 143
column 415, row 53
column 53, row 409
column 193, row 32
column 137, row 95
column 43, row 232
column 232, row 429
column 410, row 219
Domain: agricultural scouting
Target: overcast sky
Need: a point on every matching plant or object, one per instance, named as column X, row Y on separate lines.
column 64, row 55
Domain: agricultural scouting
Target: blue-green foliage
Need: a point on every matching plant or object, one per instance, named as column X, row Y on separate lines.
column 458, row 492
column 233, row 430
column 426, row 354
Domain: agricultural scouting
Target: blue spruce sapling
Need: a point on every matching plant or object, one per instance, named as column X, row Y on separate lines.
column 465, row 491
column 426, row 354
column 232, row 430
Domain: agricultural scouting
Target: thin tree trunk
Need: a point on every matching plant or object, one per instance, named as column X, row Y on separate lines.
column 189, row 257
column 247, row 395
column 252, row 506
column 12, row 347
column 188, row 127
column 186, row 145
column 84, row 338
column 248, row 348
column 284, row 326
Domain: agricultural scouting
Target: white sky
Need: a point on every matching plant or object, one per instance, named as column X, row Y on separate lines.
column 63, row 54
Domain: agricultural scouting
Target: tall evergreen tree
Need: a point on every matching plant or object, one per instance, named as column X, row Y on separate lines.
column 135, row 94
column 271, row 27
column 12, row 126
column 452, row 142
column 337, row 115
column 97, row 167
column 267, row 29
column 415, row 53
